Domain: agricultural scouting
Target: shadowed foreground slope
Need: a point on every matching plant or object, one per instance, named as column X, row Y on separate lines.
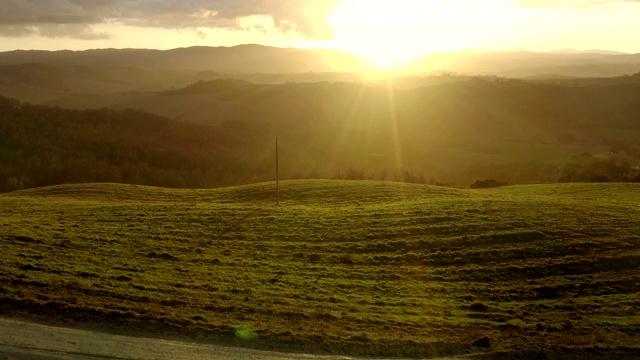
column 357, row 267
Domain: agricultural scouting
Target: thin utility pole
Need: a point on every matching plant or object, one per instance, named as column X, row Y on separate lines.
column 277, row 177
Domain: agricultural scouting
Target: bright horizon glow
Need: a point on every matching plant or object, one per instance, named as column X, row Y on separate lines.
column 392, row 34
column 389, row 33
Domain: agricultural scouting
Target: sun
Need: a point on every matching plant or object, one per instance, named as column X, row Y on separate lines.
column 374, row 29
column 393, row 33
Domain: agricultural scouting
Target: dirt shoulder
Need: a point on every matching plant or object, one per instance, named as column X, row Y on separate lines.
column 26, row 313
column 20, row 339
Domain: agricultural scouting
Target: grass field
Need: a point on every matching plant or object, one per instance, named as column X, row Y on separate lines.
column 366, row 267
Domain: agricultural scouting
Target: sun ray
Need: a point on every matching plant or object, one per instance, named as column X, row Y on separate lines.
column 393, row 124
column 353, row 103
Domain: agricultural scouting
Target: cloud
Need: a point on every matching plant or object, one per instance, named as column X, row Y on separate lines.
column 51, row 18
column 76, row 31
column 76, row 18
column 571, row 4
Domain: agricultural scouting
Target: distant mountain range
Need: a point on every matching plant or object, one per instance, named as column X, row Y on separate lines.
column 253, row 59
column 593, row 51
column 44, row 76
column 230, row 60
column 530, row 64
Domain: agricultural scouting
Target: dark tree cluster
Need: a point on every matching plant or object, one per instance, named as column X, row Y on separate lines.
column 486, row 184
column 609, row 168
column 42, row 146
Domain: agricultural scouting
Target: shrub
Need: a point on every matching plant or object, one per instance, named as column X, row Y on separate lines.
column 478, row 306
column 346, row 259
column 163, row 256
column 315, row 257
column 485, row 184
column 483, row 342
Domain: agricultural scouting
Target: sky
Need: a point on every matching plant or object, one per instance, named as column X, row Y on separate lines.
column 388, row 32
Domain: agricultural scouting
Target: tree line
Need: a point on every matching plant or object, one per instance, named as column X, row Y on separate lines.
column 42, row 146
column 453, row 133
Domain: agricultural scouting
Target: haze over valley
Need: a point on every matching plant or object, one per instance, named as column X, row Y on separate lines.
column 442, row 127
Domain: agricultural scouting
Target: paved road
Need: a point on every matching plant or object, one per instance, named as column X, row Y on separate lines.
column 30, row 341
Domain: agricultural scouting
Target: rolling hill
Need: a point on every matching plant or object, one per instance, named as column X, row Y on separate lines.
column 532, row 64
column 222, row 132
column 42, row 76
column 355, row 267
column 162, row 215
column 446, row 128
column 235, row 59
column 250, row 59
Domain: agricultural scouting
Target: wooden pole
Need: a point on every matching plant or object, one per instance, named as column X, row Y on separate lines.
column 277, row 177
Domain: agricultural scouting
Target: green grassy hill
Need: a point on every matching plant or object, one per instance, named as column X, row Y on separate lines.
column 368, row 267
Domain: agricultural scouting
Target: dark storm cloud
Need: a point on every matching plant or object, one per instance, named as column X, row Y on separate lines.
column 74, row 18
